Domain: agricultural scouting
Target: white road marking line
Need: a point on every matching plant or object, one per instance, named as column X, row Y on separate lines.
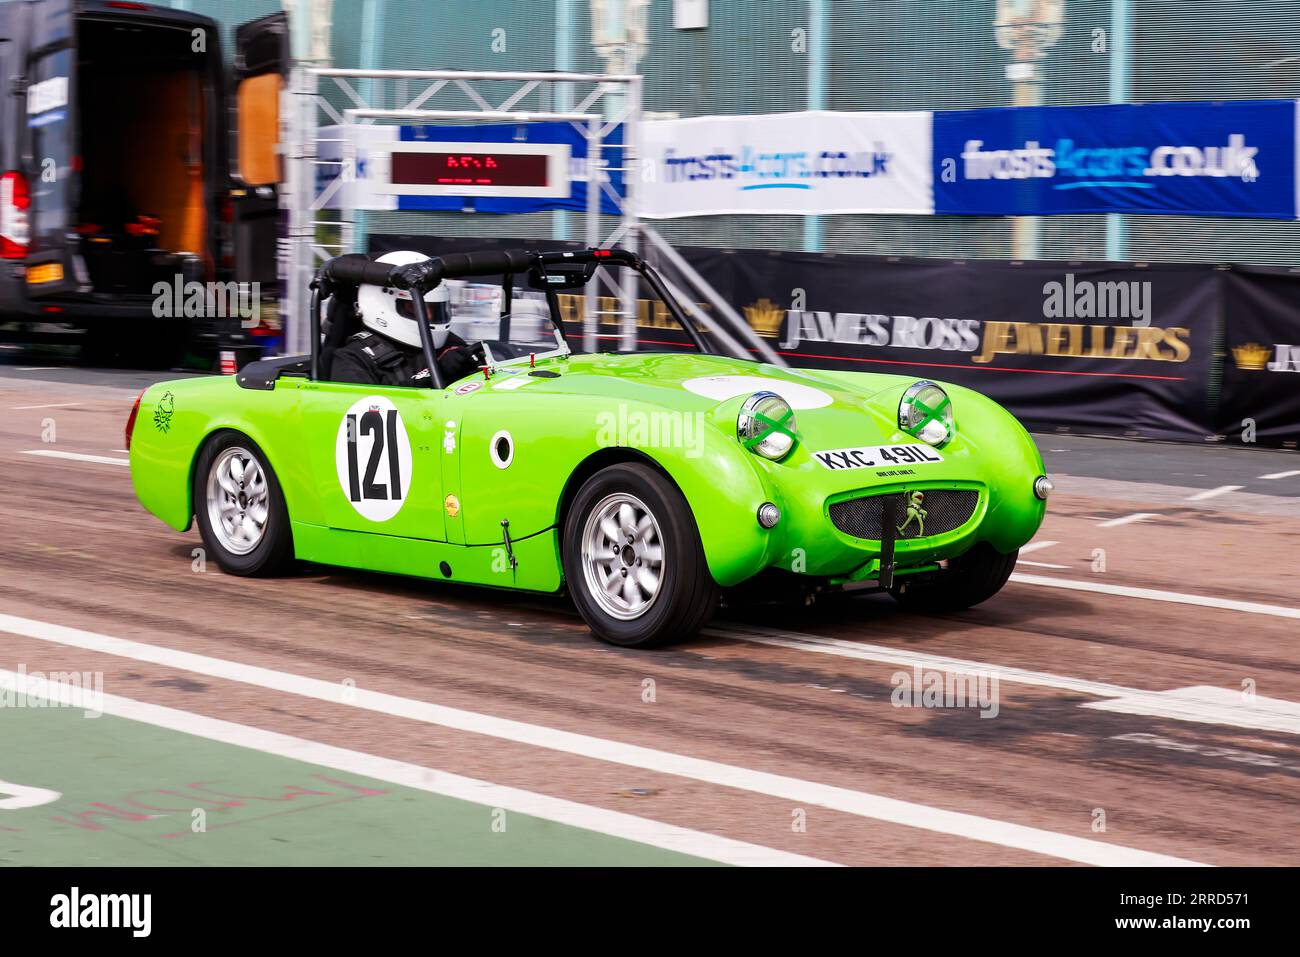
column 1213, row 492
column 1261, row 714
column 1035, row 546
column 1281, row 475
column 52, row 405
column 873, row 806
column 36, row 368
column 1154, row 594
column 1023, row 561
column 75, row 456
column 22, row 796
column 587, row 817
column 1127, row 519
column 1205, row 699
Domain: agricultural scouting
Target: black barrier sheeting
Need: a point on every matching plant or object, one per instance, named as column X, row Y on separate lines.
column 1101, row 348
column 1261, row 370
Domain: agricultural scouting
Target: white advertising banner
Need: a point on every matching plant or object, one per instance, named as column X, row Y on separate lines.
column 801, row 163
column 351, row 167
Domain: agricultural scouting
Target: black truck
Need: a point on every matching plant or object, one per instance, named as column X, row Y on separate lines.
column 135, row 169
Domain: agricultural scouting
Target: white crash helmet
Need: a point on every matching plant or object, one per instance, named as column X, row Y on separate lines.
column 389, row 312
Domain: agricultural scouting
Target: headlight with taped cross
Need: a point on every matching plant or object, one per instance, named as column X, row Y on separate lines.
column 766, row 426
column 925, row 411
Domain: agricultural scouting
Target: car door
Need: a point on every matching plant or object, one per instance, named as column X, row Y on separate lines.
column 374, row 458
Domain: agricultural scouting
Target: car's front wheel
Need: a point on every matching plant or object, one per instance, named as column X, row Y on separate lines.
column 968, row 580
column 240, row 507
column 633, row 559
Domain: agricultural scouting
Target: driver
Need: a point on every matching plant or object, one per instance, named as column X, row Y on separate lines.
column 388, row 352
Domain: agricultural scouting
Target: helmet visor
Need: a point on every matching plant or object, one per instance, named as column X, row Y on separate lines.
column 437, row 311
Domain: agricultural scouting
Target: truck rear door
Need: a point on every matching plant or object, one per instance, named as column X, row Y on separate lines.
column 50, row 166
column 262, row 59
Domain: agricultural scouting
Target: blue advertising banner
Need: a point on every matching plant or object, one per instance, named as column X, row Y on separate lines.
column 539, row 133
column 1207, row 159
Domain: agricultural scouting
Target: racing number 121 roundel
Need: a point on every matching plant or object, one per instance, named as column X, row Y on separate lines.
column 373, row 456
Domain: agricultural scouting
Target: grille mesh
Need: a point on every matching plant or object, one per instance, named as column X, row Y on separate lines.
column 945, row 511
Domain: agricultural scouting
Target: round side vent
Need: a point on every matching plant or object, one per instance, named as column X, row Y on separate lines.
column 502, row 449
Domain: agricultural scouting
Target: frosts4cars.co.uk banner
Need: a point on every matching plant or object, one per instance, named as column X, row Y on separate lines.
column 1206, row 159
column 814, row 162
column 1234, row 158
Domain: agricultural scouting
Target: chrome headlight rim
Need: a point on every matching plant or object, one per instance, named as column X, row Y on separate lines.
column 935, row 411
column 769, row 431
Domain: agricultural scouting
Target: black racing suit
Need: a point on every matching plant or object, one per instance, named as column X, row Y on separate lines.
column 375, row 360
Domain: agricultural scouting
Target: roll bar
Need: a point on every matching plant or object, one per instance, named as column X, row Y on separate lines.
column 355, row 269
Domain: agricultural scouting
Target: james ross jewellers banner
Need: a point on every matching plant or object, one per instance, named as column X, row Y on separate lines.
column 1093, row 348
column 1235, row 158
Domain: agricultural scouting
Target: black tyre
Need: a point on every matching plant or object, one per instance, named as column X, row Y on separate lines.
column 240, row 507
column 633, row 559
column 974, row 577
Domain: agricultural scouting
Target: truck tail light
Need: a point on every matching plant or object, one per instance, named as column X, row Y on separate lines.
column 15, row 200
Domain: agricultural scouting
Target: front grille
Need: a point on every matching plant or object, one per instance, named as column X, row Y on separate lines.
column 945, row 511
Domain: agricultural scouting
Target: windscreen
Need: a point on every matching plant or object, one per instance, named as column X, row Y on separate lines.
column 478, row 314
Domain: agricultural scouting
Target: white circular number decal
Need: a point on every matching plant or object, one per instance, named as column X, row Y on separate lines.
column 373, row 456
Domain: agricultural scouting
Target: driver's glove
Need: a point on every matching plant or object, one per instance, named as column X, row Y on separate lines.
column 421, row 276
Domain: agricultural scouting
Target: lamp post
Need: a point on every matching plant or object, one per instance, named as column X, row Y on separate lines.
column 618, row 33
column 1027, row 28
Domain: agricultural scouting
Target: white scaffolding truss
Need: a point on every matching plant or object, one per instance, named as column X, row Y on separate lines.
column 600, row 103
column 313, row 238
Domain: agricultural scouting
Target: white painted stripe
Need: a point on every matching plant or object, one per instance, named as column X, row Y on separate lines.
column 1154, row 594
column 1035, row 546
column 1281, row 475
column 75, row 456
column 36, row 368
column 1127, row 519
column 1193, row 704
column 1023, row 561
column 23, row 796
column 589, row 818
column 52, row 405
column 1276, row 715
column 1213, row 492
column 884, row 654
column 875, row 807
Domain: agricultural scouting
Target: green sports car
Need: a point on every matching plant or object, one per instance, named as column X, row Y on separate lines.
column 644, row 482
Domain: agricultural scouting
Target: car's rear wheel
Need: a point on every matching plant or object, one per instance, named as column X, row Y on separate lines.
column 633, row 559
column 240, row 507
column 968, row 580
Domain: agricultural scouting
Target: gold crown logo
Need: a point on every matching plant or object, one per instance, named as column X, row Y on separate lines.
column 1251, row 356
column 765, row 316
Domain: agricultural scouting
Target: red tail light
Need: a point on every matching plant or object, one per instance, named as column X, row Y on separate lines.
column 15, row 200
column 130, row 420
column 124, row 5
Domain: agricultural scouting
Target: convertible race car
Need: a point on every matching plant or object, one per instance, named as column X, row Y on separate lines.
column 645, row 482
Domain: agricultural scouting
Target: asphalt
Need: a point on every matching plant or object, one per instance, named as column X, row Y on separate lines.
column 1148, row 709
